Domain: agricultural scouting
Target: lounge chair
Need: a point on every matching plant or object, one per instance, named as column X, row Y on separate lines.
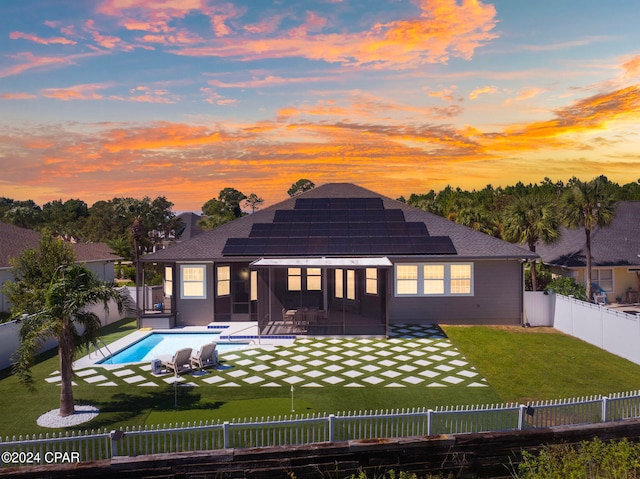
column 178, row 363
column 206, row 356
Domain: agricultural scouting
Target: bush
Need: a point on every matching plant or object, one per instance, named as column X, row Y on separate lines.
column 591, row 459
column 567, row 287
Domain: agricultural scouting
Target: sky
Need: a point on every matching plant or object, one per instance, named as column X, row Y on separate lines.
column 182, row 98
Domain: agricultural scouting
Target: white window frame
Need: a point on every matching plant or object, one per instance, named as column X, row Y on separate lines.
column 184, row 281
column 420, row 280
column 595, row 278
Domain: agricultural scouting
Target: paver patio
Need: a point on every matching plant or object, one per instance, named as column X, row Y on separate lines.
column 414, row 355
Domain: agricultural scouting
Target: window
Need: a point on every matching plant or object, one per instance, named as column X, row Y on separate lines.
column 223, row 285
column 351, row 284
column 434, row 279
column 339, row 284
column 314, row 279
column 603, row 278
column 406, row 279
column 371, row 281
column 193, row 281
column 294, row 279
column 168, row 281
column 254, row 286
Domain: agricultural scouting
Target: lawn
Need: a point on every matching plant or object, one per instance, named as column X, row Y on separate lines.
column 518, row 365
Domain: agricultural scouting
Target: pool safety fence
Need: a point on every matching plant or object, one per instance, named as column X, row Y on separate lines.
column 317, row 428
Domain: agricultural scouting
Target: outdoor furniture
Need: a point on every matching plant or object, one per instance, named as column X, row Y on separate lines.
column 632, row 296
column 288, row 314
column 301, row 320
column 178, row 363
column 205, row 356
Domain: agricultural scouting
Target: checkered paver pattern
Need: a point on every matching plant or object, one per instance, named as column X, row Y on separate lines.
column 415, row 355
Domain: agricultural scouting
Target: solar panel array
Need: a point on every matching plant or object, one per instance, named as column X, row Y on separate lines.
column 338, row 226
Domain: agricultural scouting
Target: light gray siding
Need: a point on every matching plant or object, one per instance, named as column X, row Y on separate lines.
column 195, row 312
column 497, row 299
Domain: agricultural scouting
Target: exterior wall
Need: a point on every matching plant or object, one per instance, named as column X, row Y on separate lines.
column 497, row 299
column 5, row 275
column 623, row 280
column 104, row 270
column 195, row 312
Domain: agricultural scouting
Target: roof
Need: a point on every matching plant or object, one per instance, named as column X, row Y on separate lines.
column 468, row 243
column 616, row 245
column 14, row 240
column 191, row 227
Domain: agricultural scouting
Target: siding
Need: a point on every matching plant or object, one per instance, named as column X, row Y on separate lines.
column 194, row 312
column 497, row 299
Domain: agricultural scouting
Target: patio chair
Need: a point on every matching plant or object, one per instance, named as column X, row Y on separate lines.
column 206, row 356
column 178, row 363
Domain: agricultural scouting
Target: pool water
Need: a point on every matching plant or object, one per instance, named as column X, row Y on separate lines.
column 155, row 344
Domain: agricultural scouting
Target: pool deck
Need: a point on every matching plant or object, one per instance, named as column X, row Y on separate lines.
column 237, row 331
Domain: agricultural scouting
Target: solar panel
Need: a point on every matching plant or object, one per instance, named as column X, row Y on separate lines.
column 338, row 226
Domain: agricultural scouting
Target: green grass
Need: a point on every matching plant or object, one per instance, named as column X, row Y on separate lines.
column 519, row 364
column 523, row 364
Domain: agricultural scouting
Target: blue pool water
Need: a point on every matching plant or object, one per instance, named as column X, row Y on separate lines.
column 155, row 344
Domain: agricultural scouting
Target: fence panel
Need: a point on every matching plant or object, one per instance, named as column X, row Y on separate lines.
column 271, row 432
column 462, row 419
column 623, row 406
column 564, row 412
column 379, row 424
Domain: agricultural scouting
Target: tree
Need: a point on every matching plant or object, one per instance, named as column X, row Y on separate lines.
column 587, row 205
column 231, row 198
column 530, row 219
column 65, row 219
column 65, row 318
column 216, row 213
column 300, row 186
column 253, row 201
column 33, row 272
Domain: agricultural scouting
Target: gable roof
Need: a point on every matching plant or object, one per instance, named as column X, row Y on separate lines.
column 616, row 245
column 14, row 240
column 468, row 243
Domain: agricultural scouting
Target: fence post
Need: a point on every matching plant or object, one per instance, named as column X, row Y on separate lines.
column 429, row 421
column 523, row 411
column 225, row 430
column 331, row 427
column 605, row 399
column 116, row 437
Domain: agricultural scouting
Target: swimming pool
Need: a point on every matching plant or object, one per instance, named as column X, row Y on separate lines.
column 155, row 344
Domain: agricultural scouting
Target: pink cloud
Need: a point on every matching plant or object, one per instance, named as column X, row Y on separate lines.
column 632, row 67
column 28, row 61
column 485, row 90
column 269, row 25
column 105, row 41
column 17, row 96
column 85, row 91
column 39, row 40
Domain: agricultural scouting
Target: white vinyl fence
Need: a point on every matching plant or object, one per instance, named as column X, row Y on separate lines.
column 96, row 445
column 613, row 331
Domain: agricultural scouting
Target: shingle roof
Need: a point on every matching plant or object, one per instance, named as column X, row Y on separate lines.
column 14, row 240
column 616, row 245
column 467, row 242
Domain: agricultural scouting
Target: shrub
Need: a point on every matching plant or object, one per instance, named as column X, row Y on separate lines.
column 567, row 287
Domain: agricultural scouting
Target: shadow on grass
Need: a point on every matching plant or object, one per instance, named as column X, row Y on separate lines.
column 124, row 407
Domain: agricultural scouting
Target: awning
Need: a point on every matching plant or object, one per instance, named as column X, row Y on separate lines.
column 381, row 262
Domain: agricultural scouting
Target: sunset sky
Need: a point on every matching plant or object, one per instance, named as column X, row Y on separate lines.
column 181, row 98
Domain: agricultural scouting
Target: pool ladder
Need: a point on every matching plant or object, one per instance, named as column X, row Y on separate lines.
column 104, row 345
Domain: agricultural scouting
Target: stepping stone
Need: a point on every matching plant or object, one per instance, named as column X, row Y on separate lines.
column 402, row 357
column 429, row 374
column 299, row 358
column 390, row 374
column 368, row 357
column 384, row 352
column 302, row 349
column 213, row 380
column 231, row 357
column 276, row 373
column 450, row 353
column 253, row 380
column 316, row 362
column 281, row 362
column 373, row 380
column 398, row 349
column 387, row 363
column 271, row 385
column 335, row 340
column 452, row 380
column 123, row 372
column 333, row 380
column 311, row 385
column 134, row 379
column 229, row 385
column 334, row 358
column 444, row 367
column 296, row 368
column 437, row 357
column 146, row 367
column 443, row 344
column 245, row 362
column 260, row 367
column 353, row 374
column 149, row 384
column 351, row 362
column 252, row 352
column 173, row 379
column 333, row 368
column 407, row 368
column 351, row 345
column 54, row 379
column 96, row 379
column 457, row 362
column 354, row 385
column 370, row 368
column 416, row 353
column 314, row 374
column 467, row 374
column 394, row 385
column 293, row 380
column 436, row 385
column 412, row 380
column 284, row 352
column 422, row 362
column 334, row 349
column 477, row 385
column 237, row 373
column 86, row 372
column 111, row 383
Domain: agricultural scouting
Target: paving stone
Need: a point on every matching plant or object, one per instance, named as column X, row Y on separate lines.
column 477, row 385
column 354, row 385
column 413, row 380
column 229, row 385
column 123, row 372
column 253, row 380
column 429, row 374
column 390, row 374
column 394, row 385
column 296, row 368
column 314, row 374
column 436, row 385
column 53, row 379
column 260, row 367
column 437, row 357
column 333, row 368
column 316, row 363
column 467, row 374
column 334, row 358
column 444, row 367
column 281, row 362
column 422, row 362
column 370, row 368
column 245, row 362
column 452, row 380
column 457, row 362
column 293, row 380
column 368, row 358
column 237, row 373
column 387, row 363
column 95, row 379
column 351, row 362
column 271, row 385
column 373, row 380
column 148, row 384
column 311, row 385
column 111, row 383
column 352, row 374
column 333, row 380
column 265, row 357
column 86, row 372
column 276, row 373
column 134, row 379
column 213, row 380
column 407, row 368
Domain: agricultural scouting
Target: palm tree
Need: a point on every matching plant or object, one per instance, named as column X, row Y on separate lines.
column 65, row 318
column 587, row 205
column 529, row 219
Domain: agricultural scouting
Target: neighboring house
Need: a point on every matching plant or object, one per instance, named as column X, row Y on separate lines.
column 615, row 251
column 364, row 261
column 187, row 227
column 97, row 257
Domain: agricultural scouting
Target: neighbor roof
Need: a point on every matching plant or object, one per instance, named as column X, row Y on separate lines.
column 14, row 240
column 467, row 243
column 616, row 245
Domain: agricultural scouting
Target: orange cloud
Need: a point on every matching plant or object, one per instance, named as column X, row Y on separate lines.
column 28, row 61
column 17, row 96
column 76, row 92
column 442, row 30
column 485, row 90
column 105, row 41
column 41, row 41
column 632, row 67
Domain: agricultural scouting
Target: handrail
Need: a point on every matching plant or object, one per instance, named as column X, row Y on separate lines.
column 104, row 345
column 230, row 335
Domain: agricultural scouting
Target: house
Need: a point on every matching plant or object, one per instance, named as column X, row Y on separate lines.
column 97, row 257
column 352, row 259
column 615, row 254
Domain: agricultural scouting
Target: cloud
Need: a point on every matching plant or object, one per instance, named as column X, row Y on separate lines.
column 28, row 61
column 41, row 41
column 77, row 92
column 485, row 90
column 443, row 29
column 526, row 94
column 17, row 96
column 632, row 67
